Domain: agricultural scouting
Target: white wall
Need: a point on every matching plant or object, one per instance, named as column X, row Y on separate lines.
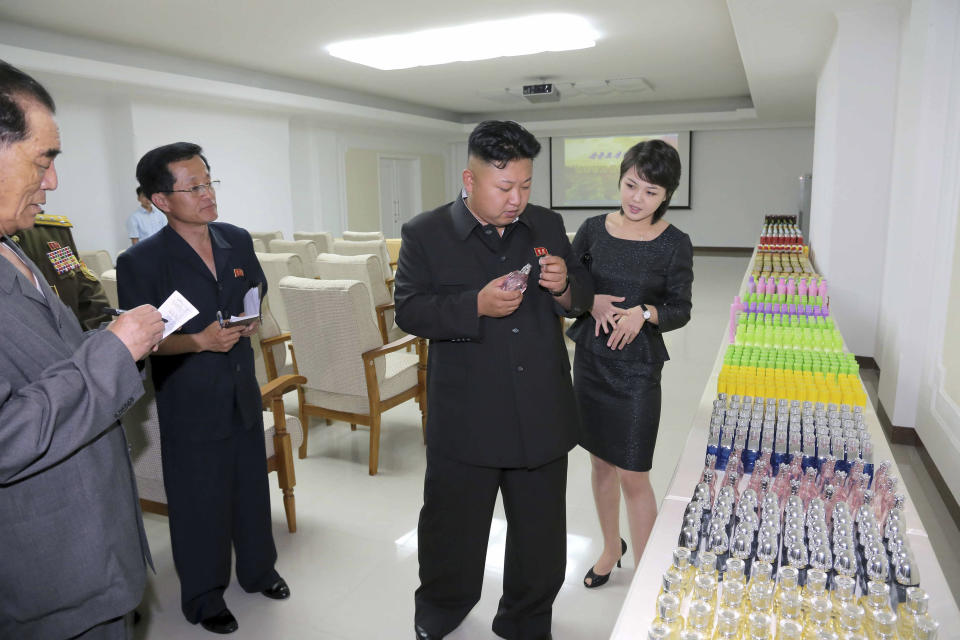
column 850, row 204
column 249, row 152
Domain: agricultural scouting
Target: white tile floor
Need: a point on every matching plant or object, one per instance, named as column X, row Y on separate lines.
column 352, row 564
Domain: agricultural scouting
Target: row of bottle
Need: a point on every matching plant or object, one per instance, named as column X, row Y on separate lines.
column 790, row 286
column 793, row 360
column 764, row 609
column 827, row 339
column 816, row 387
column 780, row 218
column 781, row 264
column 791, row 310
column 780, row 247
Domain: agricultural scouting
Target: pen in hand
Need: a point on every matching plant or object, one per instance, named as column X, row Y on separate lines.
column 110, row 311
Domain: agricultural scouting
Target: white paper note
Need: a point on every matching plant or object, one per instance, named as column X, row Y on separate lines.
column 251, row 309
column 176, row 310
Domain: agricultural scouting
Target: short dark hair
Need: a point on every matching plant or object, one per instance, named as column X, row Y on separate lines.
column 139, row 191
column 153, row 170
column 15, row 88
column 656, row 162
column 500, row 141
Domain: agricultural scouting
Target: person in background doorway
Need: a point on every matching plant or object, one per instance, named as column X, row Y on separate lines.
column 145, row 221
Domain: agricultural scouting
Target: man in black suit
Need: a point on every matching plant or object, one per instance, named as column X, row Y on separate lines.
column 208, row 400
column 501, row 412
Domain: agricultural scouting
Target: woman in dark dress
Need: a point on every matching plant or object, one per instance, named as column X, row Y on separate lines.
column 642, row 268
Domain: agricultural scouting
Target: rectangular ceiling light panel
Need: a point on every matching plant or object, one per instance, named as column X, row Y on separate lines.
column 478, row 41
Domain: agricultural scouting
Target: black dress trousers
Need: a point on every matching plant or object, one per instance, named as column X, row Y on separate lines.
column 452, row 536
column 218, row 500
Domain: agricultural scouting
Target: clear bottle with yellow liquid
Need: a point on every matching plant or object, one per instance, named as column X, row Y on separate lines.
column 843, row 589
column 705, row 588
column 788, row 582
column 816, row 587
column 728, row 624
column 848, row 620
column 912, row 611
column 789, row 630
column 875, row 602
column 759, row 626
column 884, row 626
column 700, row 617
column 818, row 617
column 790, row 607
column 668, row 613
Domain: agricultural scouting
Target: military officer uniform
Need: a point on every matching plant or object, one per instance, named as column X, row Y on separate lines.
column 51, row 247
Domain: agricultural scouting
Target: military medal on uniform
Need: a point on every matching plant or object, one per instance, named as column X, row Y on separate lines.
column 62, row 258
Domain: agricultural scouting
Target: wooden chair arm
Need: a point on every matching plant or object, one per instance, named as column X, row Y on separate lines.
column 279, row 386
column 382, row 320
column 396, row 345
column 273, row 340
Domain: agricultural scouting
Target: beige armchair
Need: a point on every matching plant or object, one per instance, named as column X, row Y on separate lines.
column 97, row 261
column 352, row 376
column 259, row 246
column 306, row 249
column 323, row 239
column 282, row 433
column 109, row 281
column 364, row 247
column 366, row 269
column 266, row 236
column 275, row 266
column 362, row 235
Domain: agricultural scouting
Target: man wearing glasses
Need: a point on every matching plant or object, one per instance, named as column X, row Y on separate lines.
column 208, row 400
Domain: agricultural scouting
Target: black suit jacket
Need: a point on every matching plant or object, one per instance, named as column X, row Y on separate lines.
column 499, row 389
column 200, row 396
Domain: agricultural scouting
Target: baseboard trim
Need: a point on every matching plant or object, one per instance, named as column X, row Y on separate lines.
column 724, row 252
column 945, row 494
column 895, row 434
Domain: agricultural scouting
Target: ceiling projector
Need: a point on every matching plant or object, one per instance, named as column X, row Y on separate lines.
column 544, row 92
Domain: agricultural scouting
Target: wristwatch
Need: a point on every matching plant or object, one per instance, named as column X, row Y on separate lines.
column 646, row 312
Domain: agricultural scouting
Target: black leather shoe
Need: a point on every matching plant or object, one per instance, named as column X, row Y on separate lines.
column 223, row 622
column 278, row 590
column 423, row 634
column 600, row 580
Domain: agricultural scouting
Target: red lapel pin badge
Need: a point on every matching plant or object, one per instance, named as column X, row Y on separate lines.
column 238, row 273
column 540, row 251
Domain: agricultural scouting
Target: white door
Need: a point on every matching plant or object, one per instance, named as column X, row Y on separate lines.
column 399, row 193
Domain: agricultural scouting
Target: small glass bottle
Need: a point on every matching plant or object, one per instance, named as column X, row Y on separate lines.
column 668, row 612
column 789, row 630
column 884, row 626
column 915, row 608
column 733, row 595
column 728, row 625
column 760, row 596
column 705, row 588
column 691, row 634
column 818, row 616
column 758, row 626
column 875, row 602
column 700, row 617
column 843, row 591
column 849, row 620
column 735, row 571
column 816, row 587
column 658, row 630
column 790, row 607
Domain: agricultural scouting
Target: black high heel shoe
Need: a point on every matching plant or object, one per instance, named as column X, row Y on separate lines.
column 598, row 580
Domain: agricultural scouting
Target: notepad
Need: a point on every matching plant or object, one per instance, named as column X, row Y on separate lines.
column 176, row 310
column 251, row 309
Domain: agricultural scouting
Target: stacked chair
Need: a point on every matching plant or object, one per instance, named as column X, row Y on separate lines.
column 364, row 247
column 366, row 269
column 306, row 249
column 275, row 266
column 323, row 239
column 97, row 261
